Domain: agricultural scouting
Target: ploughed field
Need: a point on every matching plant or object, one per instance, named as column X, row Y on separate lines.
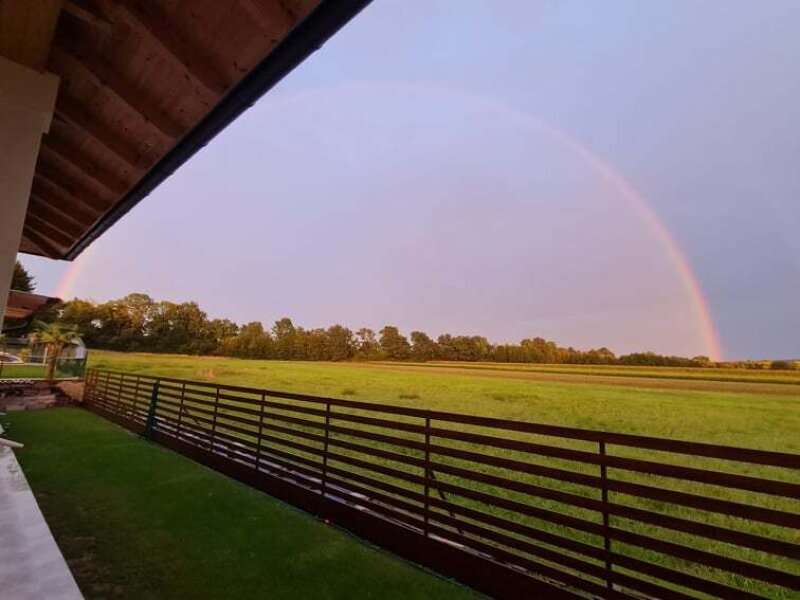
column 754, row 413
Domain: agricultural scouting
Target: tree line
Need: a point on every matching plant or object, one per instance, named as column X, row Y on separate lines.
column 137, row 323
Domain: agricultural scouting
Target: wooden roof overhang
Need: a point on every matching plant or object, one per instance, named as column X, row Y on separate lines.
column 144, row 85
column 23, row 305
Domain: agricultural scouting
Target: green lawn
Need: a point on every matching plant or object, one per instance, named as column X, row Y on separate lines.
column 21, row 371
column 137, row 521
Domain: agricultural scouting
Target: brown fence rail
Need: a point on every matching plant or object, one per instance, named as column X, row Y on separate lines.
column 514, row 509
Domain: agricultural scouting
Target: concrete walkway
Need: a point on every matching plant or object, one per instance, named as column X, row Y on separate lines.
column 31, row 565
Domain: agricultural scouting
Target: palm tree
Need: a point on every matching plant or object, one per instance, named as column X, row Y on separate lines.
column 55, row 337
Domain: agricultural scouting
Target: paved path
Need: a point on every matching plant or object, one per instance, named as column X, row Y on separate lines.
column 31, row 565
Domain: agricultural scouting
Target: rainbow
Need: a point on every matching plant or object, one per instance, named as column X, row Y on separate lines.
column 66, row 285
column 636, row 200
column 676, row 256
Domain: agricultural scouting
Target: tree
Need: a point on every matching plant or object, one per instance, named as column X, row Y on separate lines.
column 394, row 345
column 339, row 343
column 778, row 365
column 55, row 337
column 422, row 346
column 285, row 336
column 22, row 281
column 367, row 346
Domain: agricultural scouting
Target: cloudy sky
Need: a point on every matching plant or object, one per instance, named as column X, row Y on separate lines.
column 621, row 173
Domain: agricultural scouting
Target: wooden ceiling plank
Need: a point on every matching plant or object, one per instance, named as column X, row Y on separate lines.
column 271, row 17
column 63, row 203
column 74, row 114
column 48, row 248
column 55, row 218
column 67, row 184
column 170, row 42
column 105, row 75
column 45, row 229
column 82, row 11
column 77, row 159
column 26, row 30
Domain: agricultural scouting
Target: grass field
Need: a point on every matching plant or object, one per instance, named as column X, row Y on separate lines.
column 767, row 419
column 21, row 371
column 136, row 521
column 674, row 373
column 754, row 414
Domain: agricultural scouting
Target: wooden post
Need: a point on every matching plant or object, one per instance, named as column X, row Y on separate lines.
column 214, row 422
column 151, row 414
column 427, row 509
column 606, row 538
column 180, row 411
column 135, row 397
column 260, row 430
column 325, row 449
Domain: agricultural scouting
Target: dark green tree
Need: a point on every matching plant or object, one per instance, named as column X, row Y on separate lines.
column 422, row 346
column 22, row 280
column 394, row 345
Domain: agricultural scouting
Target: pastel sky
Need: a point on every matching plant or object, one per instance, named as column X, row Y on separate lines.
column 507, row 169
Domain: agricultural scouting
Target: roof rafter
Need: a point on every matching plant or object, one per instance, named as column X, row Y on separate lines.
column 92, row 65
column 61, row 180
column 47, row 248
column 72, row 113
column 77, row 159
column 81, row 10
column 46, row 230
column 172, row 44
column 57, row 219
column 48, row 189
column 272, row 18
column 61, row 201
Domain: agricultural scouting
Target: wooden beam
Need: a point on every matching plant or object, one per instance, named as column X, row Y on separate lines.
column 45, row 212
column 44, row 229
column 271, row 16
column 95, row 67
column 61, row 201
column 74, row 156
column 83, row 11
column 26, row 30
column 53, row 192
column 75, row 115
column 53, row 174
column 170, row 43
column 48, row 249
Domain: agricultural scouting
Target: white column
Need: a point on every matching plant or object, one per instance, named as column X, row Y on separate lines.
column 27, row 101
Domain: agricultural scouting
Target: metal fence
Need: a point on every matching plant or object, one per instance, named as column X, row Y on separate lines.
column 511, row 508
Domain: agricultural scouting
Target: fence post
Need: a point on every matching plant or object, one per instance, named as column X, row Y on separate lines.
column 135, row 397
column 325, row 448
column 105, row 388
column 214, row 422
column 180, row 411
column 151, row 413
column 260, row 431
column 87, row 387
column 119, row 395
column 604, row 489
column 427, row 509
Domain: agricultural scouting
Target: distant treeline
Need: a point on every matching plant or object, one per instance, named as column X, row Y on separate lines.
column 137, row 323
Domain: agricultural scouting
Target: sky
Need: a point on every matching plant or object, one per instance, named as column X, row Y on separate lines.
column 620, row 174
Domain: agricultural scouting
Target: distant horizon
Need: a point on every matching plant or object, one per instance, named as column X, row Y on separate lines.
column 616, row 177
